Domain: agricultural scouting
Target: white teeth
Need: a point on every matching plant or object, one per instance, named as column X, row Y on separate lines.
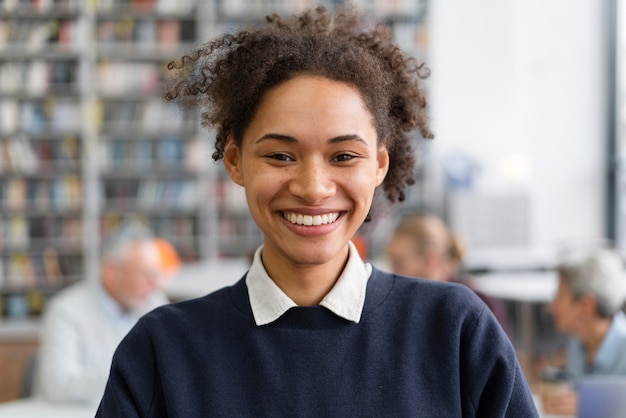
column 309, row 220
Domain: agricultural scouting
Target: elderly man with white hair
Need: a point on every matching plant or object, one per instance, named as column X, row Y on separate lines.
column 588, row 307
column 84, row 323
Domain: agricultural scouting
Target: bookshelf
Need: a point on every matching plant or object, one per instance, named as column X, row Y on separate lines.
column 41, row 153
column 86, row 141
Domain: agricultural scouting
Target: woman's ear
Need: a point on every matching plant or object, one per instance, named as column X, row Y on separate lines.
column 382, row 158
column 232, row 161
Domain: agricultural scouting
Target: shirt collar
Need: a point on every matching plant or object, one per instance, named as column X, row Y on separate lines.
column 612, row 344
column 345, row 299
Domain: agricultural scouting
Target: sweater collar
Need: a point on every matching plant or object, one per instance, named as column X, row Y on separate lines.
column 345, row 299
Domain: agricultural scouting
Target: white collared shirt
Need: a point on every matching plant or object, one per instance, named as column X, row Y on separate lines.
column 345, row 299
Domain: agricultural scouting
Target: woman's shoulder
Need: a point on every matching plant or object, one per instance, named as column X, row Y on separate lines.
column 426, row 294
column 425, row 287
column 204, row 308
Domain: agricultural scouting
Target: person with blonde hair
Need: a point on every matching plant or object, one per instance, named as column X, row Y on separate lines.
column 422, row 245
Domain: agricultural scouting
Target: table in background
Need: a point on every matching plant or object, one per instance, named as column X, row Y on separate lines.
column 34, row 407
column 199, row 279
column 524, row 288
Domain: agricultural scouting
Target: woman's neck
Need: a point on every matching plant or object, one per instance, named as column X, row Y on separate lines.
column 307, row 284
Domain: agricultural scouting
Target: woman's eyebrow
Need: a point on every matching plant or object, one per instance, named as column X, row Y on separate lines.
column 291, row 139
column 277, row 137
column 345, row 138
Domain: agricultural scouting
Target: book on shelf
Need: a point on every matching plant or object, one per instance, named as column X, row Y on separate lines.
column 37, row 116
column 20, row 154
column 16, row 189
column 32, row 35
column 175, row 194
column 17, row 232
column 170, row 150
column 30, row 271
column 9, row 116
column 20, row 272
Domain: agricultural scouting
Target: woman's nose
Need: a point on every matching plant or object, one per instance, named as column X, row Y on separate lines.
column 313, row 182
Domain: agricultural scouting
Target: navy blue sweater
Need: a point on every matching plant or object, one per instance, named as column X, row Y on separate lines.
column 421, row 349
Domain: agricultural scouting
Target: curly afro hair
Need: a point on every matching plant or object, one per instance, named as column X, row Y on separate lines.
column 227, row 77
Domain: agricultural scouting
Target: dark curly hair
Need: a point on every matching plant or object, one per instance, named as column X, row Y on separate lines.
column 228, row 76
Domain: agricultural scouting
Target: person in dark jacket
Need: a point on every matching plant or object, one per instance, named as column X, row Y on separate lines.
column 312, row 114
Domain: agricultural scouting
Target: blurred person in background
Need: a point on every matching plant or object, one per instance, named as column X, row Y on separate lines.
column 83, row 324
column 588, row 308
column 422, row 245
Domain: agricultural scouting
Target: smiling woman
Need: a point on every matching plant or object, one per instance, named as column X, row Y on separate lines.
column 316, row 155
column 312, row 115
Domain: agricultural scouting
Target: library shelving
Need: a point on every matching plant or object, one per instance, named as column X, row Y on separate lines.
column 41, row 153
column 86, row 140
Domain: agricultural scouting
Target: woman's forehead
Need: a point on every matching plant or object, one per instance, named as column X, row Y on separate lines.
column 306, row 104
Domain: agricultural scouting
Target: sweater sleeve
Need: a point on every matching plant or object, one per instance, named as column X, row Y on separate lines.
column 495, row 384
column 132, row 380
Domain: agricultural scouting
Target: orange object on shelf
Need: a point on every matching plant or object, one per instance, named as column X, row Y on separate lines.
column 170, row 261
column 361, row 244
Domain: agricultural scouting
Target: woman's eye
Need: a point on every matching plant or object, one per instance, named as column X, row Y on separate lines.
column 343, row 157
column 280, row 157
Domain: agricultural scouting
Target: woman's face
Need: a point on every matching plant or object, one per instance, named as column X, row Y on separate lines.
column 309, row 163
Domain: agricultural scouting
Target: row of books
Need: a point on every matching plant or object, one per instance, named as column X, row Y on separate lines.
column 20, row 233
column 41, row 6
column 180, row 231
column 45, row 270
column 174, row 7
column 119, row 78
column 235, row 9
column 162, row 31
column 228, row 195
column 147, row 116
column 33, row 35
column 62, row 193
column 63, row 115
column 50, row 114
column 149, row 194
column 168, row 7
column 23, row 303
column 20, row 153
column 146, row 154
column 39, row 77
column 239, row 236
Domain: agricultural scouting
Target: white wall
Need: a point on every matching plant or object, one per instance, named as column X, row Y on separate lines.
column 519, row 86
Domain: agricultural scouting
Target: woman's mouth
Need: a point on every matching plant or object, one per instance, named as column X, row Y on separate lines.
column 311, row 220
